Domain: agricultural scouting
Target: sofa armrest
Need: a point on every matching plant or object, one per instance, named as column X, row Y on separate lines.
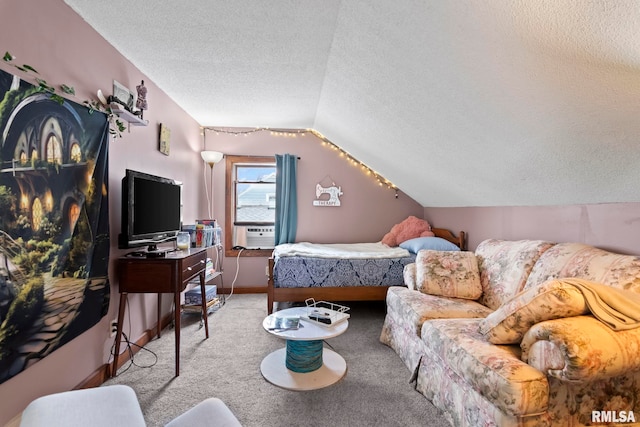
column 409, row 275
column 581, row 348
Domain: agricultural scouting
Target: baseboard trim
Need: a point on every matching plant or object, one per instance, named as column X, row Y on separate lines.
column 102, row 374
column 244, row 290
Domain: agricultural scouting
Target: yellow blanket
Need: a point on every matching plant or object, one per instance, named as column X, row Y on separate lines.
column 617, row 308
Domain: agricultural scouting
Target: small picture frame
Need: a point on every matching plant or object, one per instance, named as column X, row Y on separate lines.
column 165, row 139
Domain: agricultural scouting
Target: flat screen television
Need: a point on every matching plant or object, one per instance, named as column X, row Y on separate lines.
column 151, row 210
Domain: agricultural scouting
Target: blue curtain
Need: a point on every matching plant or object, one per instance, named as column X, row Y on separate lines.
column 286, row 198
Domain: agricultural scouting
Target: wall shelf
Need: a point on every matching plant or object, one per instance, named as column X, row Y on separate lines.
column 126, row 115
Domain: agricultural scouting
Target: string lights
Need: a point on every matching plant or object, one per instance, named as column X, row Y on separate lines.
column 293, row 133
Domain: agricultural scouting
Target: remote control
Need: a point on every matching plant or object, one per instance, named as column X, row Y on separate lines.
column 320, row 317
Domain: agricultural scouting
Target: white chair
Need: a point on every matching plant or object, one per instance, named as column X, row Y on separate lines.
column 115, row 405
column 209, row 412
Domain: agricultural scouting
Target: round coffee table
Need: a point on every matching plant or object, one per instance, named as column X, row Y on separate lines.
column 302, row 347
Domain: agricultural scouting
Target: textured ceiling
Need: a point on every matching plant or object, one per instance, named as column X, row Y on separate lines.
column 458, row 103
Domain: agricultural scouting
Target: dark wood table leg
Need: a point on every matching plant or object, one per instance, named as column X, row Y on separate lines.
column 177, row 329
column 159, row 311
column 121, row 309
column 205, row 313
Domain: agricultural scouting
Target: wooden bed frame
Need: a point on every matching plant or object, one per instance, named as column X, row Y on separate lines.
column 335, row 294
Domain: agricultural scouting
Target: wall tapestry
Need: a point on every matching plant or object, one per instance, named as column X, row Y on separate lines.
column 54, row 223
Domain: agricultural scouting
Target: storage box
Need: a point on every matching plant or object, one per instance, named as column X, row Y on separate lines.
column 193, row 297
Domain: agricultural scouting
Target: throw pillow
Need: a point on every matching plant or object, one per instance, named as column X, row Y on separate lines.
column 448, row 273
column 551, row 300
column 433, row 243
column 407, row 229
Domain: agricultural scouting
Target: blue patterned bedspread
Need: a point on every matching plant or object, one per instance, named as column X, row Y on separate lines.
column 307, row 272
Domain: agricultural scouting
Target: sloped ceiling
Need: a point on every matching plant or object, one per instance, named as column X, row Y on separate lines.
column 458, row 103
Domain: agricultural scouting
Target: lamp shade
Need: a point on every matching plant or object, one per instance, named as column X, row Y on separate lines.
column 211, row 157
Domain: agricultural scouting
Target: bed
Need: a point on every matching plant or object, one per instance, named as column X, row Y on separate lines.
column 355, row 272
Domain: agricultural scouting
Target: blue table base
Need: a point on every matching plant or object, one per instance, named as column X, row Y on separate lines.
column 304, row 356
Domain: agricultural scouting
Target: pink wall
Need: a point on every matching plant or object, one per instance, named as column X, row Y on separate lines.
column 610, row 226
column 53, row 39
column 366, row 213
column 81, row 58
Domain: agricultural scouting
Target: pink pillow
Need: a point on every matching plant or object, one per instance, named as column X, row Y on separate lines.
column 410, row 228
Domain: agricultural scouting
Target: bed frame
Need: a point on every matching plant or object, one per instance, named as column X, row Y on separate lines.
column 335, row 294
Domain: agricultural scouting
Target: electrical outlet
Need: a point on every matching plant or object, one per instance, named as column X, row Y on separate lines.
column 113, row 327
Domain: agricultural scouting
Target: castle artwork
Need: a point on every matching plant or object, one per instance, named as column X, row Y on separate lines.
column 54, row 223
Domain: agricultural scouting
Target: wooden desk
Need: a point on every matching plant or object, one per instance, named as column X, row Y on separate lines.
column 168, row 274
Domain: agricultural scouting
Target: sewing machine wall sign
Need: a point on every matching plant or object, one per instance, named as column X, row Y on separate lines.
column 334, row 193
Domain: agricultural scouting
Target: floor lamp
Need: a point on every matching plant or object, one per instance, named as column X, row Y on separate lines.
column 211, row 158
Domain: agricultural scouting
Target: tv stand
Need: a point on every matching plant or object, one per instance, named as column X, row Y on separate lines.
column 169, row 273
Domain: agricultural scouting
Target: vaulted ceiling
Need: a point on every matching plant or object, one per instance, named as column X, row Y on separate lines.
column 458, row 103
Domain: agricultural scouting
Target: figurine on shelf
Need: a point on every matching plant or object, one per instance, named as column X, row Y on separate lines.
column 141, row 103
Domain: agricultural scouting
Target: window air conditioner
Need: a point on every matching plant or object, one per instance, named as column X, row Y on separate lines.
column 255, row 237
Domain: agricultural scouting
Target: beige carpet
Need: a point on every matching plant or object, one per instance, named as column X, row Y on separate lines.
column 375, row 391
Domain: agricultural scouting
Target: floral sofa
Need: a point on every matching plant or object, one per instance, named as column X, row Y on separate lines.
column 501, row 337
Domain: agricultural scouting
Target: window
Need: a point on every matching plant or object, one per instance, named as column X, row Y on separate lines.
column 74, row 214
column 76, row 153
column 251, row 191
column 37, row 213
column 255, row 194
column 54, row 149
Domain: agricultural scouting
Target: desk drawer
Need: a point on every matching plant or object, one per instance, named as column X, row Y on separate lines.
column 142, row 276
column 193, row 265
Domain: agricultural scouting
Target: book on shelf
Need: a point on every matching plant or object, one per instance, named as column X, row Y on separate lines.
column 209, row 273
column 197, row 308
column 283, row 323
